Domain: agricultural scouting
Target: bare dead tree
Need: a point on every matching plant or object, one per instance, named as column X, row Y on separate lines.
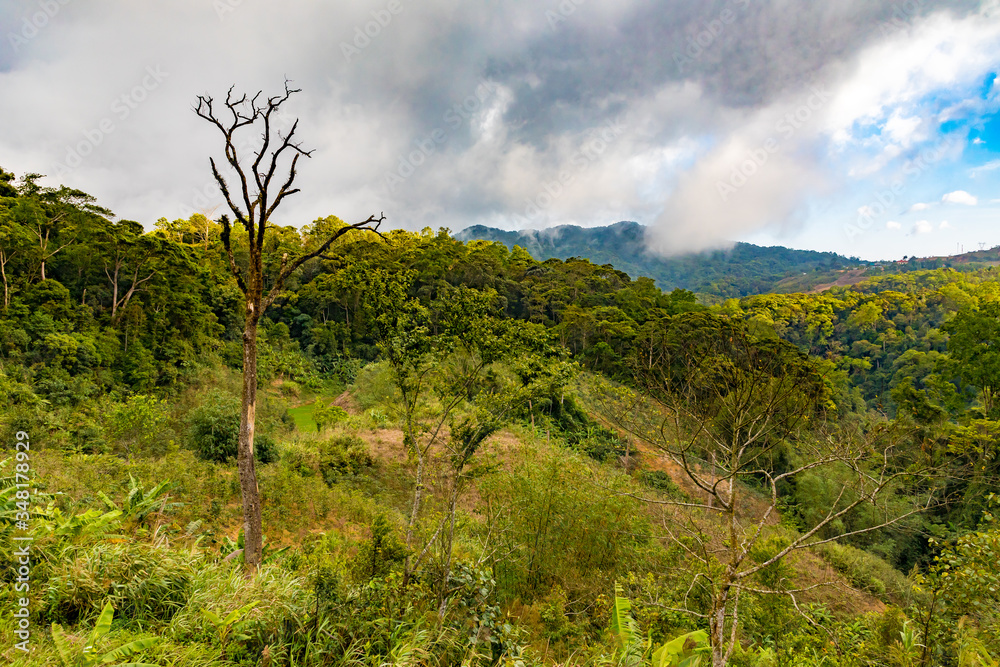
column 259, row 190
column 720, row 405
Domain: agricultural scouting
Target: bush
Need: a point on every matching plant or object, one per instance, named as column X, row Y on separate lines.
column 136, row 425
column 373, row 386
column 214, row 432
column 343, row 455
column 377, row 556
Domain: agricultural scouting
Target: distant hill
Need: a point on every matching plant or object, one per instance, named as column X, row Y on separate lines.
column 743, row 270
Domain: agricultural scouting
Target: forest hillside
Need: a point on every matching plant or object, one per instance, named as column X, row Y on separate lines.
column 470, row 456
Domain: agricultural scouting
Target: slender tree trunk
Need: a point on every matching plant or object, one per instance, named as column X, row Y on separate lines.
column 252, row 528
column 451, row 542
column 418, row 493
column 114, row 292
column 717, row 625
column 3, row 272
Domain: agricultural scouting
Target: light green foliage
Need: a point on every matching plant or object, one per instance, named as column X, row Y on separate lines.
column 972, row 343
column 554, row 519
column 688, row 650
column 343, row 455
column 91, row 656
column 964, row 581
column 140, row 503
column 228, row 627
column 327, row 414
column 137, row 425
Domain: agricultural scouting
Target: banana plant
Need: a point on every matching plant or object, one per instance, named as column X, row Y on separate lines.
column 139, row 503
column 224, row 627
column 90, row 657
column 684, row 651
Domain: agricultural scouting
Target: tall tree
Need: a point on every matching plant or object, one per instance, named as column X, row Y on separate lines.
column 55, row 217
column 257, row 196
column 13, row 241
column 974, row 344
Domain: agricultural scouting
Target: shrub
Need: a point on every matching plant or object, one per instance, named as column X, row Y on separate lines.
column 214, row 431
column 343, row 455
column 377, row 556
column 145, row 584
column 867, row 571
column 137, row 425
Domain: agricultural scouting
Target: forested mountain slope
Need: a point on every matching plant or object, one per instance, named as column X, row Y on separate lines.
column 471, row 457
column 739, row 271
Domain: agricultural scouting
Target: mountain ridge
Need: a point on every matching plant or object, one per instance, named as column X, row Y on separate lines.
column 739, row 271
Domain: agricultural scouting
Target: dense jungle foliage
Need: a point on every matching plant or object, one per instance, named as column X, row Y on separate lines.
column 464, row 457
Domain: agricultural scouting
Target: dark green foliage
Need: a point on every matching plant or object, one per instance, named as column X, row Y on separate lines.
column 378, row 555
column 660, row 481
column 214, row 430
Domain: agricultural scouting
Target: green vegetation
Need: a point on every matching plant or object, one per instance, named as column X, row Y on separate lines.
column 527, row 462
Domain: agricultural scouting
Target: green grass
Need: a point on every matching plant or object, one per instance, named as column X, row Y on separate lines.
column 303, row 416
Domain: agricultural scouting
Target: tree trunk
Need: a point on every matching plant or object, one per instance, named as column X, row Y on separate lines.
column 717, row 623
column 418, row 493
column 451, row 542
column 252, row 529
column 114, row 290
column 3, row 272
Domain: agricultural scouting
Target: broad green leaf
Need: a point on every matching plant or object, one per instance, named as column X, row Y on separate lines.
column 59, row 639
column 129, row 649
column 215, row 619
column 103, row 625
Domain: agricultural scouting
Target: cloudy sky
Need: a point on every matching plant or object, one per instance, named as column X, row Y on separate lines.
column 862, row 126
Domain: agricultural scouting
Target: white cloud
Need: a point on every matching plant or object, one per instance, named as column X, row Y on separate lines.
column 938, row 52
column 919, row 207
column 923, row 227
column 944, row 225
column 893, row 225
column 989, row 166
column 960, row 197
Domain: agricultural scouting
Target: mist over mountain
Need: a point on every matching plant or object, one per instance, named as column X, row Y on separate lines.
column 741, row 270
